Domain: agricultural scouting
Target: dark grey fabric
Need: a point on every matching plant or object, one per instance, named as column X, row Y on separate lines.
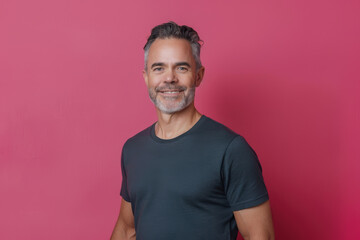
column 188, row 187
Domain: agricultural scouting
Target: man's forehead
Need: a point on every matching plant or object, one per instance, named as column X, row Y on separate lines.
column 170, row 49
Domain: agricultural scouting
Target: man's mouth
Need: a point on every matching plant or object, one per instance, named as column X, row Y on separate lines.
column 170, row 91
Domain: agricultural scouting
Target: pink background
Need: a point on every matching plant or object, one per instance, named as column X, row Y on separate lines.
column 284, row 74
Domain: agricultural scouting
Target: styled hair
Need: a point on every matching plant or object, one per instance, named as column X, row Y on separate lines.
column 172, row 30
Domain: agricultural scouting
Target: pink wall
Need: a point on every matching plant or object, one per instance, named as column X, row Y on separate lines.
column 284, row 74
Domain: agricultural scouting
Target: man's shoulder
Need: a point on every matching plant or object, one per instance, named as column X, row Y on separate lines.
column 139, row 137
column 214, row 127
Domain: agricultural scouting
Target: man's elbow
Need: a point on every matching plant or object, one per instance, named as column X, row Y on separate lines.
column 130, row 234
column 123, row 233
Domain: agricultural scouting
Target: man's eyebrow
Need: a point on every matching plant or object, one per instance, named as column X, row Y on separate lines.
column 157, row 64
column 161, row 64
column 182, row 64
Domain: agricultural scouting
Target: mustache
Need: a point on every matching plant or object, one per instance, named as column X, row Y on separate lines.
column 170, row 87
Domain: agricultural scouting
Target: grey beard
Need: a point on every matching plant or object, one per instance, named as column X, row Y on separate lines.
column 185, row 102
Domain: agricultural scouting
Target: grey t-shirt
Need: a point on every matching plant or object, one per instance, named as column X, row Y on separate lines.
column 188, row 187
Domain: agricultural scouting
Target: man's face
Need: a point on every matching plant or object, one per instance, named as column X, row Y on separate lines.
column 171, row 75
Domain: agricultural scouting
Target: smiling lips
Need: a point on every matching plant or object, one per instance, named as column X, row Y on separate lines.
column 170, row 92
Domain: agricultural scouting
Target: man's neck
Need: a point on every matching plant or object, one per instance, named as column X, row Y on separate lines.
column 172, row 125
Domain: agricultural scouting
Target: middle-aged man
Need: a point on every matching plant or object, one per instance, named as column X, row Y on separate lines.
column 187, row 176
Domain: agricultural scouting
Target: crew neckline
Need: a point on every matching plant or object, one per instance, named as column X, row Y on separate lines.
column 192, row 129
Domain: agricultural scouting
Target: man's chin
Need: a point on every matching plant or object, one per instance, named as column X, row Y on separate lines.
column 169, row 109
column 170, row 106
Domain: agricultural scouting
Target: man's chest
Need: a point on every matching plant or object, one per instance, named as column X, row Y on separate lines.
column 190, row 175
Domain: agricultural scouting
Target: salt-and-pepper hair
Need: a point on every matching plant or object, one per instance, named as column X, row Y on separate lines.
column 172, row 30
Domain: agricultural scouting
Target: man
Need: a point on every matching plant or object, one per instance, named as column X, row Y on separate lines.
column 187, row 176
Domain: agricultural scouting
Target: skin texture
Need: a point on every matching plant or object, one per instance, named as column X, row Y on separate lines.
column 125, row 227
column 255, row 223
column 170, row 67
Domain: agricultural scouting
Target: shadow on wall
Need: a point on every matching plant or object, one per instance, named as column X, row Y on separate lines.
column 294, row 128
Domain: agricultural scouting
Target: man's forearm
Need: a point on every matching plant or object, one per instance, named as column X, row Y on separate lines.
column 260, row 236
column 122, row 233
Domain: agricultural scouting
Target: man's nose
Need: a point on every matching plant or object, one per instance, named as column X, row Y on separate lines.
column 170, row 76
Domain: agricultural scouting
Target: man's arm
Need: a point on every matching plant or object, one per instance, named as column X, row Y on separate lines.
column 255, row 223
column 124, row 228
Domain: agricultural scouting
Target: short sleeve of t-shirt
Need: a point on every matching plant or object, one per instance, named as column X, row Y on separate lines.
column 242, row 176
column 124, row 190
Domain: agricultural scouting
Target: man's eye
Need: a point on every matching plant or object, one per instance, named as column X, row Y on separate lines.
column 157, row 69
column 183, row 69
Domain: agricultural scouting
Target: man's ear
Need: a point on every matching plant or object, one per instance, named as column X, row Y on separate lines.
column 199, row 76
column 145, row 76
